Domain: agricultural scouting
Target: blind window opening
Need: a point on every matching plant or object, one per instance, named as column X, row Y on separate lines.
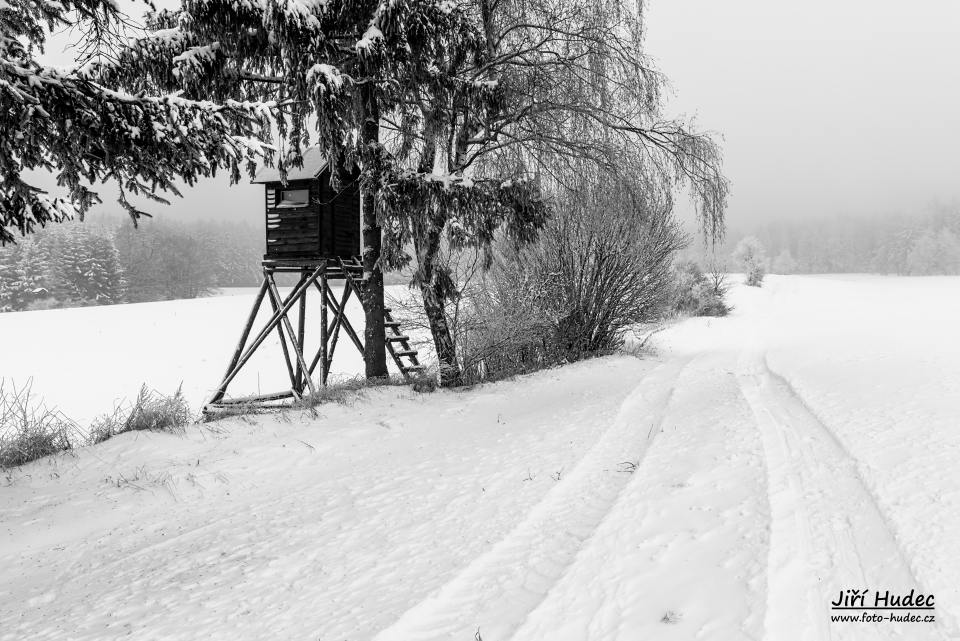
column 294, row 198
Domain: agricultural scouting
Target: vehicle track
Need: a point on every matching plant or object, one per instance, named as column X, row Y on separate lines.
column 498, row 589
column 827, row 532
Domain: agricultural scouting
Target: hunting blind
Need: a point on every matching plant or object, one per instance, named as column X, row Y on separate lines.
column 313, row 231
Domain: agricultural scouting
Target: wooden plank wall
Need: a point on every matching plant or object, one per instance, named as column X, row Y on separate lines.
column 293, row 232
column 329, row 227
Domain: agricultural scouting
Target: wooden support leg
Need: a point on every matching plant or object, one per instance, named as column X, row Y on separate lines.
column 345, row 322
column 301, row 291
column 274, row 320
column 333, row 330
column 301, row 330
column 324, row 337
column 276, row 303
column 222, row 388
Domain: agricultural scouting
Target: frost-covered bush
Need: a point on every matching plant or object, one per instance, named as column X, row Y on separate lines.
column 498, row 320
column 751, row 255
column 697, row 293
column 149, row 411
column 784, row 263
column 601, row 266
column 28, row 429
column 505, row 327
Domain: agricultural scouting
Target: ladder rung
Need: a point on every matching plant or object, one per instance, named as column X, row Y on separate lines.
column 391, row 323
column 405, row 352
column 397, row 339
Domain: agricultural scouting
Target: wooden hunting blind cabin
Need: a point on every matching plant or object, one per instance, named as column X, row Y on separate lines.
column 306, row 218
column 312, row 230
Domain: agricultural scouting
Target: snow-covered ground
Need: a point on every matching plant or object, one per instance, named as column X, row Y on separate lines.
column 728, row 486
column 84, row 361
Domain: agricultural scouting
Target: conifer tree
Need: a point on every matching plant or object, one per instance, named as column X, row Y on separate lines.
column 36, row 280
column 71, row 267
column 12, row 297
column 84, row 128
column 104, row 283
column 336, row 71
column 456, row 113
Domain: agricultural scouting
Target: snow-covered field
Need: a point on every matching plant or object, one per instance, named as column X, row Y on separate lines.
column 85, row 361
column 728, row 486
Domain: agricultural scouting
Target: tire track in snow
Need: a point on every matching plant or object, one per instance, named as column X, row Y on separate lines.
column 680, row 554
column 498, row 589
column 827, row 532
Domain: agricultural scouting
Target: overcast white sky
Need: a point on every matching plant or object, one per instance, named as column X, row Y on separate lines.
column 825, row 107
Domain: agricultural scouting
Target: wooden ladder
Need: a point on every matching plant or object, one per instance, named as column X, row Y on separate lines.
column 398, row 344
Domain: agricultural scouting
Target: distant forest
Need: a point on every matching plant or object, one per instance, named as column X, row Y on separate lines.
column 106, row 260
column 910, row 245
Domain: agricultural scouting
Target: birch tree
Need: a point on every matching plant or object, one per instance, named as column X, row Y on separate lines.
column 505, row 122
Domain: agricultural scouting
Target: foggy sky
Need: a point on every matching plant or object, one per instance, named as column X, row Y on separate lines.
column 842, row 107
column 826, row 107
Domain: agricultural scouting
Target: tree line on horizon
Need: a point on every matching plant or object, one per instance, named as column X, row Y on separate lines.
column 921, row 244
column 106, row 262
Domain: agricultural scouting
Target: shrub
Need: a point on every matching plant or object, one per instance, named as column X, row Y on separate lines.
column 150, row 411
column 29, row 430
column 697, row 293
column 503, row 327
column 784, row 263
column 423, row 384
column 751, row 255
column 601, row 265
column 604, row 264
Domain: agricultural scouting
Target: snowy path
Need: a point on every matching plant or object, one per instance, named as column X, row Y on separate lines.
column 695, row 494
column 826, row 528
column 500, row 587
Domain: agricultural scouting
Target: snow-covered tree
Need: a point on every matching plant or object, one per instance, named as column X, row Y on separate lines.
column 784, row 263
column 164, row 260
column 750, row 254
column 543, row 91
column 12, row 296
column 83, row 127
column 922, row 259
column 334, row 70
column 934, row 252
column 105, row 283
column 456, row 113
column 948, row 247
column 70, row 266
column 35, row 269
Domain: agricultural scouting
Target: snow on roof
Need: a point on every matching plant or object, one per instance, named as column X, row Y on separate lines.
column 313, row 163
